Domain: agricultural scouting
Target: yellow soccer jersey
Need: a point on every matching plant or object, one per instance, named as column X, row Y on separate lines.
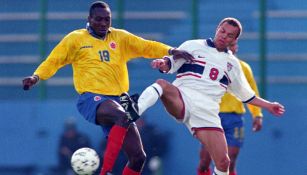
column 230, row 103
column 99, row 66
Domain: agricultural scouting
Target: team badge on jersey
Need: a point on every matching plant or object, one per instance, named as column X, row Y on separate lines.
column 229, row 66
column 97, row 98
column 112, row 45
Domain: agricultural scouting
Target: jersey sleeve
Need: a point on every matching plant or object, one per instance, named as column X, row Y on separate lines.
column 135, row 47
column 61, row 55
column 254, row 110
column 239, row 85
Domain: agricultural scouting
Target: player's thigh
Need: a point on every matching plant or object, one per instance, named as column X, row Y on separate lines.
column 132, row 145
column 171, row 98
column 214, row 142
column 109, row 112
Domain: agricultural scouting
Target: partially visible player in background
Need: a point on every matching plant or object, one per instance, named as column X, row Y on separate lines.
column 99, row 54
column 231, row 114
column 194, row 97
column 70, row 141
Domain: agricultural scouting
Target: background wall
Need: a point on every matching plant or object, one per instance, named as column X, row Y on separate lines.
column 32, row 121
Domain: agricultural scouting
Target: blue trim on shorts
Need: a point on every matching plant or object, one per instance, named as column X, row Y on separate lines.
column 232, row 124
column 87, row 105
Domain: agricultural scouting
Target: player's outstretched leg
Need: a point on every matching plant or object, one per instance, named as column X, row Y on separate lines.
column 137, row 105
column 135, row 97
column 130, row 107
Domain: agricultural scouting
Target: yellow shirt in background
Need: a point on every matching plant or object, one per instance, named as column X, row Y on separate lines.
column 99, row 66
column 231, row 104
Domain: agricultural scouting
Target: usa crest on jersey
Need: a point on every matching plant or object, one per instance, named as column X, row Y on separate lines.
column 229, row 66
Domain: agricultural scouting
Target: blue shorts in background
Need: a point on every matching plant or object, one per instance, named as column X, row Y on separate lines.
column 87, row 106
column 232, row 124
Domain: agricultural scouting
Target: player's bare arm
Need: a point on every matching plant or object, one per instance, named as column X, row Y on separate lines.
column 177, row 54
column 273, row 107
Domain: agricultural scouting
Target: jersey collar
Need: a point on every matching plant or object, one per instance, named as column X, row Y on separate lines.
column 211, row 44
column 92, row 32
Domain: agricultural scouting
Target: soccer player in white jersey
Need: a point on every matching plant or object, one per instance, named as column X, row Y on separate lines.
column 232, row 111
column 194, row 97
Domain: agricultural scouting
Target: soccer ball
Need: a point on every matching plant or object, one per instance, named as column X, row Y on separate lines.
column 85, row 161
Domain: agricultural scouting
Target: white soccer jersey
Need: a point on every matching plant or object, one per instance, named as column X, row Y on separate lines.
column 204, row 82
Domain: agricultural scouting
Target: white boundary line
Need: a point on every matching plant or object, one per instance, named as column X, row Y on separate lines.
column 283, row 14
column 68, row 81
column 33, row 59
column 158, row 15
column 9, row 38
column 156, row 36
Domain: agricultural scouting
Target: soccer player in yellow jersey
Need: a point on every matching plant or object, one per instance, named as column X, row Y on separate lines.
column 231, row 114
column 99, row 56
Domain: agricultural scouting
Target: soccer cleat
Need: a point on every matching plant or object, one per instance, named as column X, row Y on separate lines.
column 135, row 97
column 130, row 106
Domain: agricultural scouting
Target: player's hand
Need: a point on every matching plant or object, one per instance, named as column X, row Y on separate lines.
column 257, row 124
column 29, row 81
column 158, row 63
column 276, row 109
column 177, row 54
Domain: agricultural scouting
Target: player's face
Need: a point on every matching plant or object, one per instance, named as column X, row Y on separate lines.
column 225, row 35
column 100, row 21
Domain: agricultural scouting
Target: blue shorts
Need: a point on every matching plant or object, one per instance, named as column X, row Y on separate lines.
column 232, row 124
column 88, row 104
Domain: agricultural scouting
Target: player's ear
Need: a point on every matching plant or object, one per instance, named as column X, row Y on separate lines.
column 235, row 41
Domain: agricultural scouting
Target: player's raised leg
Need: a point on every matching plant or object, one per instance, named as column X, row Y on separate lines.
column 149, row 97
column 169, row 94
column 130, row 106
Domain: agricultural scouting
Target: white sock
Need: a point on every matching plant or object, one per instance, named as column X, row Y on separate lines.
column 149, row 97
column 218, row 172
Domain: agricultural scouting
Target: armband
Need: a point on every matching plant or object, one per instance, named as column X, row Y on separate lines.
column 36, row 77
column 170, row 51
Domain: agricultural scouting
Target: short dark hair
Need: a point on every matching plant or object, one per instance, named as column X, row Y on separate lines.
column 234, row 22
column 98, row 4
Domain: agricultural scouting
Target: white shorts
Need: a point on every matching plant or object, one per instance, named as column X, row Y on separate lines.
column 200, row 110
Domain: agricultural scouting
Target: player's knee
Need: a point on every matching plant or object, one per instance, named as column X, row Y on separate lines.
column 223, row 163
column 162, row 83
